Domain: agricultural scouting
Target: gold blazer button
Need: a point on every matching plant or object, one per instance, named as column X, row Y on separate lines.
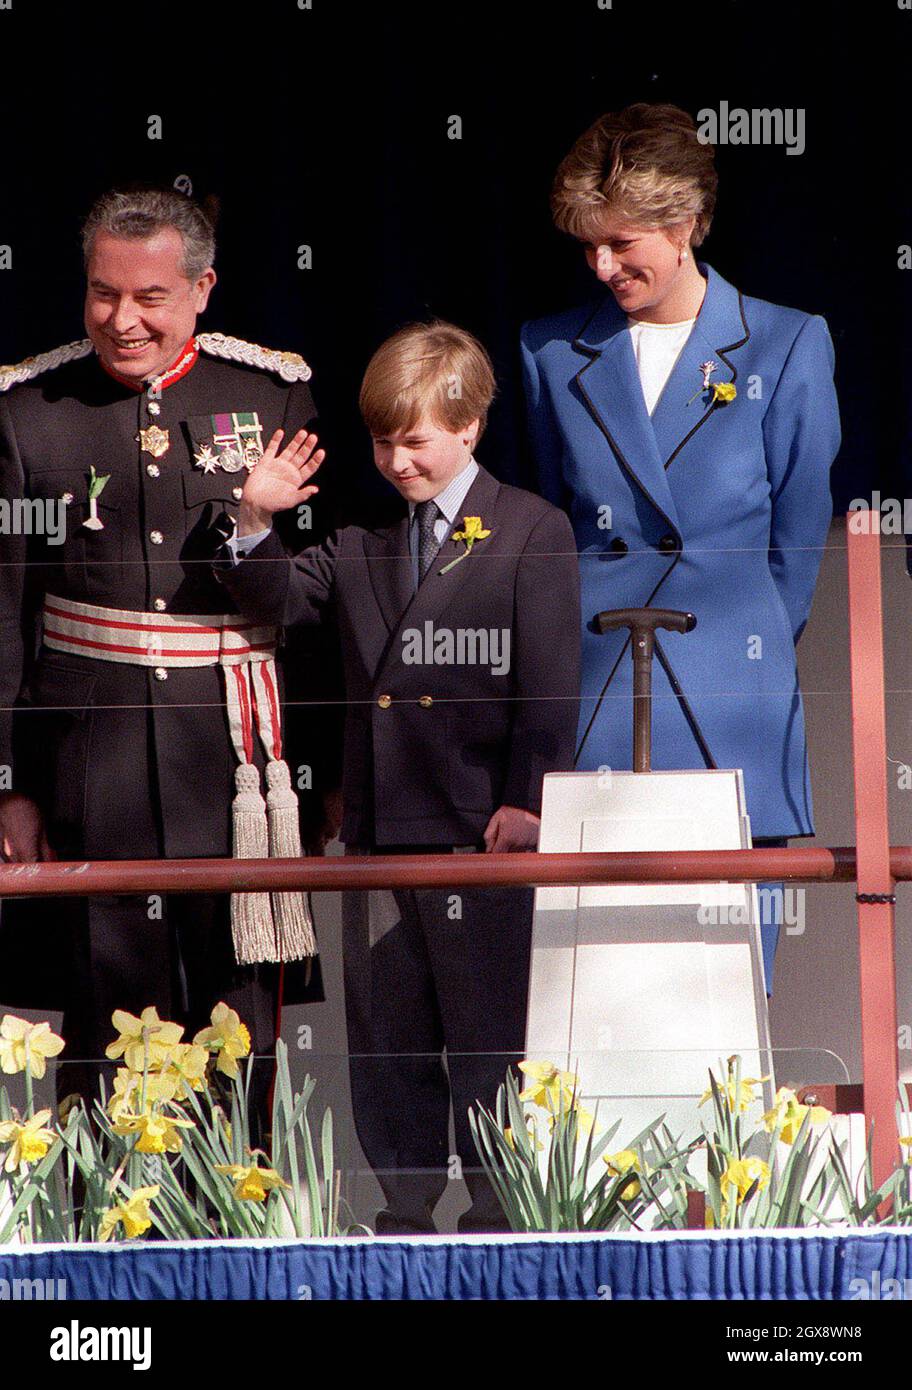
column 425, row 701
column 385, row 701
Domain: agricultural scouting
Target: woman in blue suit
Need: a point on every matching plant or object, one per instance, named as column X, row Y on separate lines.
column 688, row 429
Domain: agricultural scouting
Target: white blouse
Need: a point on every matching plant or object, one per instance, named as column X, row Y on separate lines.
column 657, row 347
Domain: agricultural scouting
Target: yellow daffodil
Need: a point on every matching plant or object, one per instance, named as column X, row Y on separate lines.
column 72, row 1101
column 746, row 1093
column 186, row 1062
column 472, row 531
column 27, row 1044
column 135, row 1035
column 742, row 1173
column 128, row 1089
column 251, row 1183
column 536, row 1142
column 722, row 391
column 29, row 1140
column 158, row 1133
column 584, row 1118
column 624, row 1161
column 789, row 1112
column 228, row 1038
column 133, row 1213
column 550, row 1086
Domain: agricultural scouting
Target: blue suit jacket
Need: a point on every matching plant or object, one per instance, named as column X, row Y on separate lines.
column 721, row 509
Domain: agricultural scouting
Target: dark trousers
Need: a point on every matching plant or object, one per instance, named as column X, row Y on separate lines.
column 428, row 970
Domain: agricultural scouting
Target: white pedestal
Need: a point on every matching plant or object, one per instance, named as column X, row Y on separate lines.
column 641, row 989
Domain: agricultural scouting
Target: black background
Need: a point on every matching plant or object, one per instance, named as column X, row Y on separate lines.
column 328, row 127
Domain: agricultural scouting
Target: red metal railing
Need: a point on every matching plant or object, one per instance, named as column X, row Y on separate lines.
column 76, row 879
column 875, row 873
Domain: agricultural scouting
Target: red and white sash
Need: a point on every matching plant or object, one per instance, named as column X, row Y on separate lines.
column 266, row 927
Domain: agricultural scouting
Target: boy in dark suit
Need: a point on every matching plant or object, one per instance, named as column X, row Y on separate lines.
column 459, row 635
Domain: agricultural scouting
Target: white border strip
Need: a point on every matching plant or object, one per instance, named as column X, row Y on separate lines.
column 526, row 1238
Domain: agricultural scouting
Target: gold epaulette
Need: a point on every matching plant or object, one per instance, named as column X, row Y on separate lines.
column 31, row 367
column 289, row 365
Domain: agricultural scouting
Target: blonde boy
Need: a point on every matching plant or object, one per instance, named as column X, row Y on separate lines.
column 459, row 633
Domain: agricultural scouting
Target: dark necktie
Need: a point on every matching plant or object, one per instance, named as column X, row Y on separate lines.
column 428, row 544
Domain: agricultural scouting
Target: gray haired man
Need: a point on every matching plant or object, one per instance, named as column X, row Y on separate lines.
column 134, row 683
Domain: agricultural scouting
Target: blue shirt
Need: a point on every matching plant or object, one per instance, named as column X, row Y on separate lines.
column 449, row 502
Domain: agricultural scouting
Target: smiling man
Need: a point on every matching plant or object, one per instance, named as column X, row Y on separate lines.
column 142, row 301
column 128, row 731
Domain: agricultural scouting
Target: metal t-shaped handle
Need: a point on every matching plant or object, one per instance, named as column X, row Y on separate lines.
column 642, row 623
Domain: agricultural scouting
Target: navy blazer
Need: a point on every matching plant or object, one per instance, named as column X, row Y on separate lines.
column 718, row 508
column 434, row 746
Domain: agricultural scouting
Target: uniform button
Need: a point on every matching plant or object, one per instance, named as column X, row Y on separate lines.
column 385, row 701
column 668, row 544
column 154, row 408
column 237, row 493
column 425, row 701
column 619, row 546
column 159, row 605
column 156, row 537
column 153, row 470
column 160, row 673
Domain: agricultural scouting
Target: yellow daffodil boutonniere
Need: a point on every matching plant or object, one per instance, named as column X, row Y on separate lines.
column 723, row 392
column 472, row 531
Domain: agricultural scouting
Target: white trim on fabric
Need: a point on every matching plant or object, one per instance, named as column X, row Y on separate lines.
column 526, row 1238
column 154, row 639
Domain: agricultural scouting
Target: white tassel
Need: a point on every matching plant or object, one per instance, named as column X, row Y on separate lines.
column 252, row 926
column 291, row 910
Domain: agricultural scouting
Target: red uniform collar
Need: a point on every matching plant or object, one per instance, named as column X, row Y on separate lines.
column 179, row 367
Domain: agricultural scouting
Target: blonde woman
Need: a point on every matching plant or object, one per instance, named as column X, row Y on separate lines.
column 688, row 429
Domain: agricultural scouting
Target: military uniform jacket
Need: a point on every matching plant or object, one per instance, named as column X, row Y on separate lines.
column 126, row 761
column 437, row 739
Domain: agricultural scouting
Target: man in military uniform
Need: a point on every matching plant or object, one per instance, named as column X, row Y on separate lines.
column 121, row 747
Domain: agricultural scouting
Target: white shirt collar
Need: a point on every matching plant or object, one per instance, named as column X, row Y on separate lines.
column 454, row 494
